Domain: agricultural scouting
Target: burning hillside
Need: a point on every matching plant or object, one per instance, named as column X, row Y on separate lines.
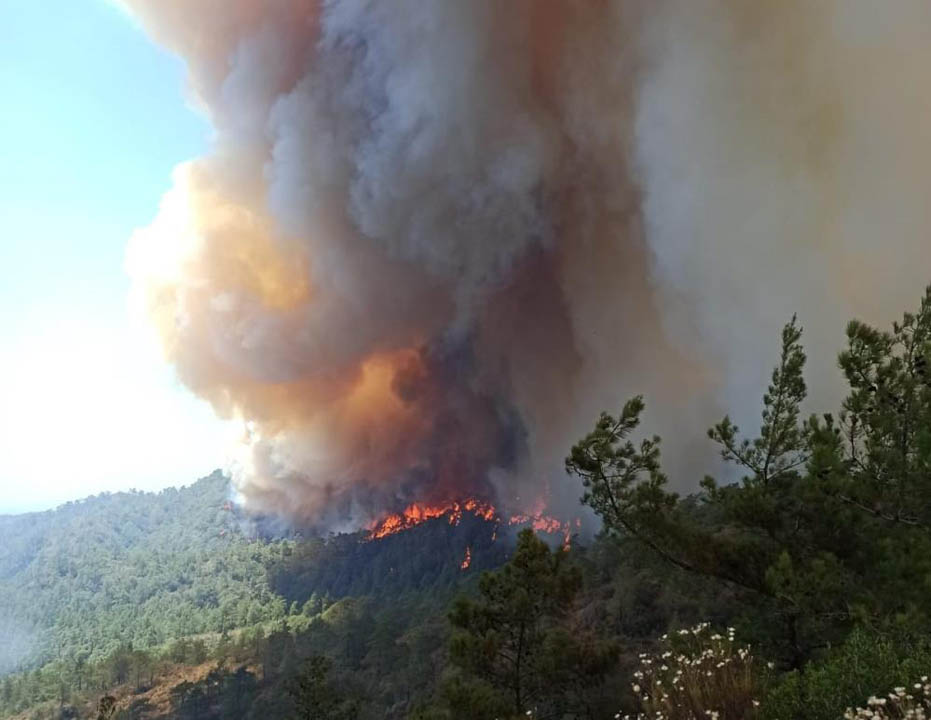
column 434, row 240
column 418, row 513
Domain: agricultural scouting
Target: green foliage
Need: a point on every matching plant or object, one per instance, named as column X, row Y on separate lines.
column 131, row 569
column 784, row 535
column 868, row 663
column 887, row 419
column 778, row 532
column 816, row 546
column 905, row 702
column 315, row 697
column 467, row 697
column 879, row 464
column 697, row 673
column 781, row 447
column 623, row 482
column 514, row 644
column 830, row 524
column 152, row 583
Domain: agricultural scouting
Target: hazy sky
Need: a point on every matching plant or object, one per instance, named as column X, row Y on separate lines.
column 93, row 120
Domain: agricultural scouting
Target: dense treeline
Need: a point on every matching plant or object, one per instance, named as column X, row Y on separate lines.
column 797, row 591
column 344, row 565
column 122, row 588
column 130, row 569
column 820, row 555
column 136, row 569
column 386, row 637
column 388, row 654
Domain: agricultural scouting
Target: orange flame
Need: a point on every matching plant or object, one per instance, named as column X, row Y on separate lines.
column 467, row 560
column 417, row 513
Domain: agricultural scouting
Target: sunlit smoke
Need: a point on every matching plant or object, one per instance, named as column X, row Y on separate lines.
column 785, row 157
column 434, row 239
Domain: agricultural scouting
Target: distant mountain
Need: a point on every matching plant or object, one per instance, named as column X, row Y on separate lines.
column 131, row 567
column 141, row 569
column 183, row 608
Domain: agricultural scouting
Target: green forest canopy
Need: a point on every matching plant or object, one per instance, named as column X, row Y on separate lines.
column 819, row 556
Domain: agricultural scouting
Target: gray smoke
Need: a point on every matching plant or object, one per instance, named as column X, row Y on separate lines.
column 434, row 239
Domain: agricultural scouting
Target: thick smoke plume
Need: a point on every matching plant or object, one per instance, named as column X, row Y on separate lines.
column 434, row 239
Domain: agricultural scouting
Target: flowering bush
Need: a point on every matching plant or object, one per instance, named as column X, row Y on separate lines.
column 913, row 703
column 699, row 675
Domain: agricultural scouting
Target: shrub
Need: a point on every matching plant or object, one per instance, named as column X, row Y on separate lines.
column 867, row 664
column 698, row 674
column 913, row 703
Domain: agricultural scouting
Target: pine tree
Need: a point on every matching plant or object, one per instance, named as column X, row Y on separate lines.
column 514, row 646
column 830, row 524
column 764, row 536
column 315, row 697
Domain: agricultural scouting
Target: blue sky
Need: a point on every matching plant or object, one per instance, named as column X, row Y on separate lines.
column 93, row 120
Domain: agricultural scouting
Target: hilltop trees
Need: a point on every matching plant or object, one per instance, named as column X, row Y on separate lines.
column 315, row 696
column 130, row 569
column 815, row 548
column 830, row 523
column 514, row 645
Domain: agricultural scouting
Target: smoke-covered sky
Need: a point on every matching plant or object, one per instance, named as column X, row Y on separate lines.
column 432, row 239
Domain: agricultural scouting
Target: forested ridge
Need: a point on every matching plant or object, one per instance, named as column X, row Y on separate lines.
column 128, row 586
column 802, row 590
column 130, row 568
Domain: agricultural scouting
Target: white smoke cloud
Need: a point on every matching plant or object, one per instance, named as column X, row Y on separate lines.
column 784, row 153
column 434, row 239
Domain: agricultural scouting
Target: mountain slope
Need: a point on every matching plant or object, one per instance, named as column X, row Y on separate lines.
column 140, row 570
column 129, row 568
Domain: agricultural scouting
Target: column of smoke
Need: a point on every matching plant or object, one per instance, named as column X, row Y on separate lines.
column 433, row 239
